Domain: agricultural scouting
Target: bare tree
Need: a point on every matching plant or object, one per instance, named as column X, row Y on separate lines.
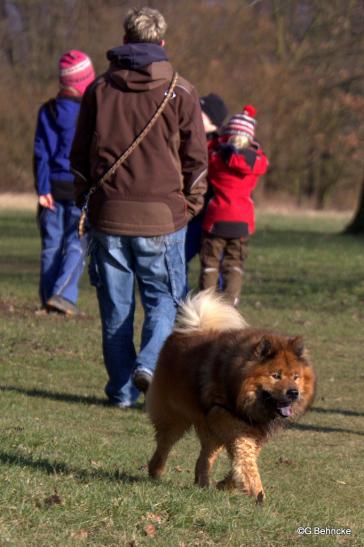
column 356, row 226
column 298, row 62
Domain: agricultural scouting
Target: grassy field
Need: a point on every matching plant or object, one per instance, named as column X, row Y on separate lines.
column 73, row 472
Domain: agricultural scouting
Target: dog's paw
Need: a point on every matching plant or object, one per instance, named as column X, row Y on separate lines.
column 202, row 482
column 155, row 472
column 259, row 500
column 226, row 484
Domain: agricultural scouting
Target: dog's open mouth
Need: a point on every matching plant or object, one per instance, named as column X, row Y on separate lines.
column 284, row 409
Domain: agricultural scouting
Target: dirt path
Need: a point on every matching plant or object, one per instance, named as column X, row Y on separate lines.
column 28, row 202
column 18, row 201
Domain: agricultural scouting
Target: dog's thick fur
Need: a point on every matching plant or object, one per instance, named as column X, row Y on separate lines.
column 234, row 384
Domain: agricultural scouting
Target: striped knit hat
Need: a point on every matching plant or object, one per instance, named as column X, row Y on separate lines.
column 76, row 71
column 242, row 124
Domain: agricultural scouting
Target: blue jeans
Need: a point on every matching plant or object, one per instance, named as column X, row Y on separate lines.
column 158, row 266
column 193, row 237
column 62, row 256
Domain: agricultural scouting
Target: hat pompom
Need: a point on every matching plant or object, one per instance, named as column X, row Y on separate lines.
column 250, row 110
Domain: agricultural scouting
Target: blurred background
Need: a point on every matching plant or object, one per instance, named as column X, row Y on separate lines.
column 300, row 62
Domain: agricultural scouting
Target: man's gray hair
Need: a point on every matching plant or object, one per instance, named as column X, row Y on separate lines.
column 144, row 25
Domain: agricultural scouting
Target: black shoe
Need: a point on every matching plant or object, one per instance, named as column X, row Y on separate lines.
column 142, row 380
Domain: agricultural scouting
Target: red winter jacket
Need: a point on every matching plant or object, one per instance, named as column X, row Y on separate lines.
column 233, row 175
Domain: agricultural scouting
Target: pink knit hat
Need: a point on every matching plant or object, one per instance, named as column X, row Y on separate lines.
column 242, row 124
column 76, row 71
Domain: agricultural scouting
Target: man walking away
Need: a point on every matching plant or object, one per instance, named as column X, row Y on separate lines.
column 138, row 215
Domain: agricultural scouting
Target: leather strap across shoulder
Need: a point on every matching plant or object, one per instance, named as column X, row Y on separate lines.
column 142, row 134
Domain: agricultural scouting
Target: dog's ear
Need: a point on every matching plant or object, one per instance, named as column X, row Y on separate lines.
column 263, row 349
column 297, row 346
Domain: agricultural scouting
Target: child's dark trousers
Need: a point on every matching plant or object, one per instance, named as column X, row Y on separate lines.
column 225, row 255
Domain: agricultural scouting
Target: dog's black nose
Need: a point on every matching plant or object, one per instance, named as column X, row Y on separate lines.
column 292, row 394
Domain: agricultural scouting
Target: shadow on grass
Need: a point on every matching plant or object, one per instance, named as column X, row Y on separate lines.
column 51, row 468
column 64, row 397
column 324, row 429
column 91, row 400
column 336, row 411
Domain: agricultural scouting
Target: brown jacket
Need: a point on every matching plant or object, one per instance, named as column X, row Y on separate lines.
column 161, row 185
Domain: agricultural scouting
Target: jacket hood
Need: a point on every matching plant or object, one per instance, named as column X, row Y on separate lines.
column 134, row 56
column 139, row 66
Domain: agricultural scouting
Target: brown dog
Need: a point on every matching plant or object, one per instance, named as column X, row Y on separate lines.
column 234, row 384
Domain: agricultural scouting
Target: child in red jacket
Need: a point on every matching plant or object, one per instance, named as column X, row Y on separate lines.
column 234, row 168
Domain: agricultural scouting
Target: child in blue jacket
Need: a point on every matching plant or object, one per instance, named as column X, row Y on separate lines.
column 62, row 255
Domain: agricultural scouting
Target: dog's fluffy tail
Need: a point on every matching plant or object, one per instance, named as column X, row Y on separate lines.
column 207, row 311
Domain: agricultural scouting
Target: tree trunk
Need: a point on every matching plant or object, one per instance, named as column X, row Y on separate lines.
column 356, row 226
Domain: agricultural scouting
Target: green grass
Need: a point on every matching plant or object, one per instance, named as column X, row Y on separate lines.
column 73, row 471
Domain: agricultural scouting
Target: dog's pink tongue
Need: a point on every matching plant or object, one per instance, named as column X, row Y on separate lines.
column 286, row 410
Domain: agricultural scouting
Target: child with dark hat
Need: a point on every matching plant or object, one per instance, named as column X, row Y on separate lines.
column 234, row 169
column 62, row 254
column 214, row 112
